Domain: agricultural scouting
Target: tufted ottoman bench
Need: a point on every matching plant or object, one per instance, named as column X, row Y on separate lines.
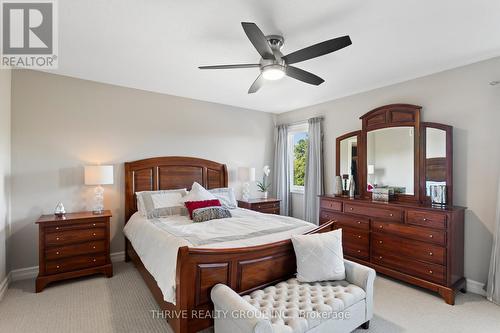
column 292, row 306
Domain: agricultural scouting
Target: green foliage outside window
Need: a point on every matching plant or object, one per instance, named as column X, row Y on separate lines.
column 299, row 163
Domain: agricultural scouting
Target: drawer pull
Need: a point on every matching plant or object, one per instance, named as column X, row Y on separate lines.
column 424, row 219
column 359, row 236
column 431, row 254
column 431, row 236
column 94, row 260
column 359, row 222
column 359, row 251
column 351, row 208
column 391, row 215
column 380, row 242
column 430, row 272
column 57, row 228
column 57, row 266
column 93, row 224
column 93, row 234
column 381, row 227
column 57, row 252
column 380, row 257
column 93, row 247
column 57, row 238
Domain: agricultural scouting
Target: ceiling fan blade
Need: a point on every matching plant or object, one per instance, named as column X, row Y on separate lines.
column 229, row 66
column 317, row 50
column 258, row 40
column 303, row 75
column 257, row 84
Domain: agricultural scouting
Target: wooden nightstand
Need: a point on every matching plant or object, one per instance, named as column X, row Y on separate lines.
column 269, row 206
column 72, row 246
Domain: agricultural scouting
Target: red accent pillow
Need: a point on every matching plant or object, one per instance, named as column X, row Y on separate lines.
column 192, row 205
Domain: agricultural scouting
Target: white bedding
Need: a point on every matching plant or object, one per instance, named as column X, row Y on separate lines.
column 157, row 241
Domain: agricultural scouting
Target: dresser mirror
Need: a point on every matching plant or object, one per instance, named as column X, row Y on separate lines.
column 347, row 159
column 437, row 160
column 390, row 159
column 394, row 149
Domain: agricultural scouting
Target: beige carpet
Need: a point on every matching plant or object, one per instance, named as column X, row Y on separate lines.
column 123, row 304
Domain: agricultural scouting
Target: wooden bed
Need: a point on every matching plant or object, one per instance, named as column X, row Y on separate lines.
column 198, row 270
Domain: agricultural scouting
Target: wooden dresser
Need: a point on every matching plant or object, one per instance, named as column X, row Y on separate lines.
column 72, row 246
column 269, row 206
column 416, row 243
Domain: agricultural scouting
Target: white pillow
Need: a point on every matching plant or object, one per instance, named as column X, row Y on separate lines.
column 319, row 256
column 226, row 197
column 154, row 204
column 198, row 193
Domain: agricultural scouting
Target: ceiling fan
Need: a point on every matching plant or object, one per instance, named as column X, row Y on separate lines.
column 274, row 65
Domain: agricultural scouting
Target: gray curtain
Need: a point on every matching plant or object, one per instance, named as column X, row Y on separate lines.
column 493, row 287
column 313, row 183
column 282, row 170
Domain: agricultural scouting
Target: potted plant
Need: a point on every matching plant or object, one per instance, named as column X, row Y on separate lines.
column 264, row 186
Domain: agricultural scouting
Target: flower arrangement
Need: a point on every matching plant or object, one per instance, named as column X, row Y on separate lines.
column 264, row 186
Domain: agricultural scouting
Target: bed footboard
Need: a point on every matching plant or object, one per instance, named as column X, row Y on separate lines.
column 243, row 269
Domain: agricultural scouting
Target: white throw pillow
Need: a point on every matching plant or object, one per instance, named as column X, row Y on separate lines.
column 226, row 197
column 319, row 256
column 198, row 193
column 154, row 204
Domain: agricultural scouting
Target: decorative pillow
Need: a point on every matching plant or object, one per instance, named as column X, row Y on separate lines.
column 154, row 204
column 319, row 256
column 198, row 193
column 225, row 196
column 192, row 205
column 210, row 213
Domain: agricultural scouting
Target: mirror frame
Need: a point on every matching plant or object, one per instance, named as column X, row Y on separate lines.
column 360, row 148
column 449, row 160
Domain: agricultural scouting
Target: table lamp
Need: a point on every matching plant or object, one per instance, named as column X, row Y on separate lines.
column 246, row 175
column 98, row 175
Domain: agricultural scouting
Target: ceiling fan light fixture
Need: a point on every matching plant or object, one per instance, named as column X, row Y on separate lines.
column 273, row 72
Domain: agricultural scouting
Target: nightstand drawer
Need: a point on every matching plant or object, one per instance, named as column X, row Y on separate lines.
column 74, row 263
column 90, row 225
column 74, row 236
column 266, row 205
column 270, row 211
column 75, row 250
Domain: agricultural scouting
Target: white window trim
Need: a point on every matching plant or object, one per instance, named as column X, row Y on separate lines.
column 292, row 129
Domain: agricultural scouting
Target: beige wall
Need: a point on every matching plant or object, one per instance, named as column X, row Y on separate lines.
column 460, row 97
column 5, row 79
column 60, row 124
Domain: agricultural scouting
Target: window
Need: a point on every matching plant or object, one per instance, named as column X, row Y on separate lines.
column 297, row 149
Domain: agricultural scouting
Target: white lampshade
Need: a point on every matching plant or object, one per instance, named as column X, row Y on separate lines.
column 251, row 174
column 98, row 175
column 246, row 174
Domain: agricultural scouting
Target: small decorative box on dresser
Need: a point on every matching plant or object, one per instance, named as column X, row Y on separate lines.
column 74, row 245
column 269, row 206
column 416, row 243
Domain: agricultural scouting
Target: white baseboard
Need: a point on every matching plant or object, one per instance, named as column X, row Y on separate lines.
column 475, row 287
column 32, row 272
column 4, row 285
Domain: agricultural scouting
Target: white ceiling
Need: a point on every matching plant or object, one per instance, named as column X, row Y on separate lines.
column 156, row 45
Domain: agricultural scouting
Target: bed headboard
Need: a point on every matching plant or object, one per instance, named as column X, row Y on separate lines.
column 167, row 173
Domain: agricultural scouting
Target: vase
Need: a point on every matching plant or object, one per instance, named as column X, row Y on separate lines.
column 264, row 195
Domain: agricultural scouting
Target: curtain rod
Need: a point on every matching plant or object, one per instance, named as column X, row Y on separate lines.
column 301, row 121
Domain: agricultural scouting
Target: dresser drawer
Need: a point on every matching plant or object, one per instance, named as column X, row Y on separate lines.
column 426, row 219
column 74, row 236
column 355, row 236
column 330, row 204
column 345, row 220
column 74, row 263
column 266, row 205
column 75, row 250
column 270, row 211
column 409, row 248
column 390, row 214
column 417, row 233
column 76, row 226
column 325, row 216
column 356, row 251
column 427, row 271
